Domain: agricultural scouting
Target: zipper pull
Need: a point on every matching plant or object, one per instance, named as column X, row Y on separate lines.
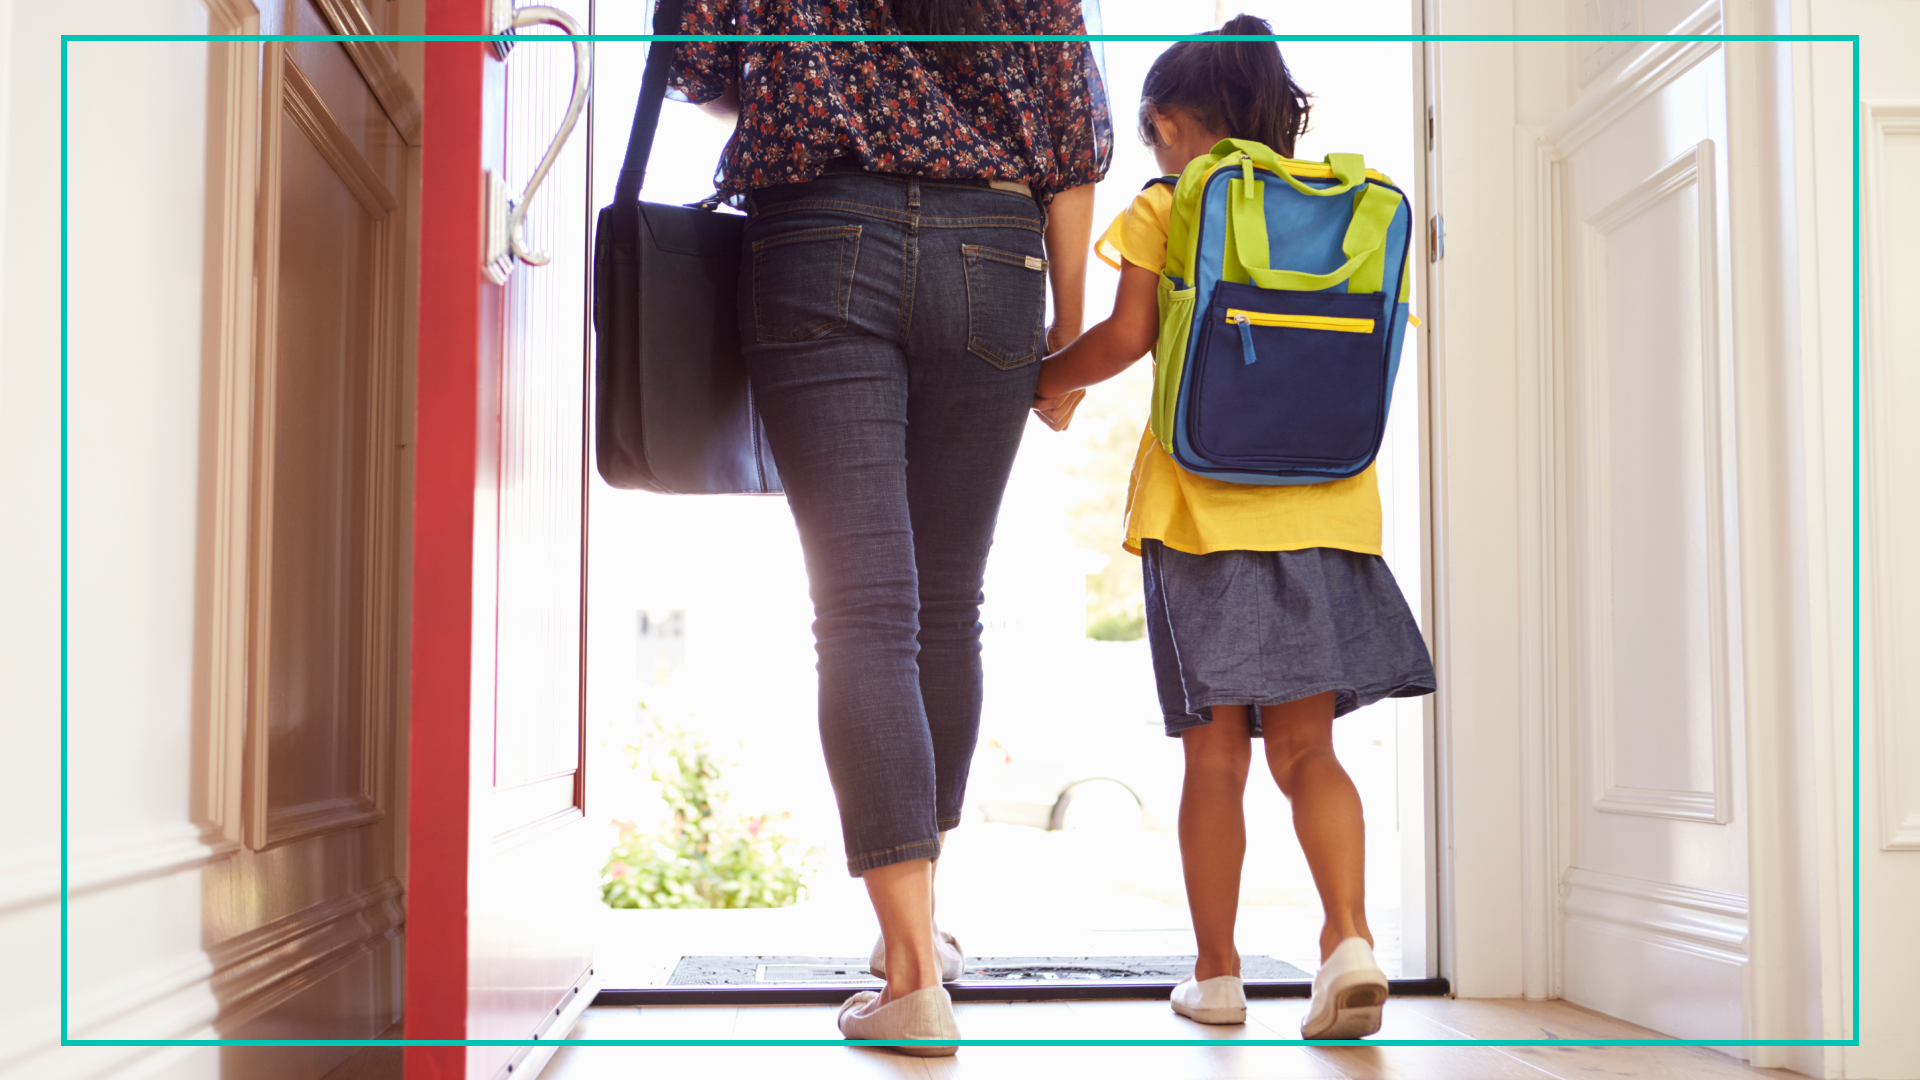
column 1246, row 338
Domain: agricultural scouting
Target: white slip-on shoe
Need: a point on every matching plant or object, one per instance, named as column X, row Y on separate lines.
column 1348, row 993
column 1221, row 1000
column 952, row 959
column 923, row 1014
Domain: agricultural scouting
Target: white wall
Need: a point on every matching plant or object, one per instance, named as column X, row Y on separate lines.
column 1797, row 405
column 137, row 123
column 1889, row 707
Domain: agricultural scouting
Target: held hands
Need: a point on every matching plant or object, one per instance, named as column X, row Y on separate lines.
column 1057, row 412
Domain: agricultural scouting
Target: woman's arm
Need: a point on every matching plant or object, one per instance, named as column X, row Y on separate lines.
column 1113, row 345
column 726, row 106
column 1069, row 232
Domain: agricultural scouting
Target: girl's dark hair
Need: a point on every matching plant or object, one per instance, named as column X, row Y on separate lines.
column 1240, row 87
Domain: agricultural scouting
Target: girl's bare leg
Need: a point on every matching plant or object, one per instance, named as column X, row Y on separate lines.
column 902, row 896
column 1213, row 834
column 1326, row 812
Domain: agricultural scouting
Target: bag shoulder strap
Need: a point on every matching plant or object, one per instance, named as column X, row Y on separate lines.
column 653, row 90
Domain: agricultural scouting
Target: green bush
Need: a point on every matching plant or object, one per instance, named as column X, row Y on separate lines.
column 705, row 857
column 1118, row 626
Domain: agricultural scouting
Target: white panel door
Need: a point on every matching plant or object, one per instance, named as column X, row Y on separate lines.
column 1654, row 890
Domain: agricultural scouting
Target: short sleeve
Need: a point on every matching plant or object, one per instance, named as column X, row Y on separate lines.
column 1139, row 235
column 1074, row 95
column 703, row 70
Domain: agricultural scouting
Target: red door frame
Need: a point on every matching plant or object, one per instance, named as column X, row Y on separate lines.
column 453, row 302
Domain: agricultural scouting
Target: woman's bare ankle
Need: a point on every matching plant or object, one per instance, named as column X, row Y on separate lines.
column 1333, row 935
column 1213, row 967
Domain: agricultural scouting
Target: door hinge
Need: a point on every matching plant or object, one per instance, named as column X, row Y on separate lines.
column 1429, row 129
column 1436, row 238
column 498, row 259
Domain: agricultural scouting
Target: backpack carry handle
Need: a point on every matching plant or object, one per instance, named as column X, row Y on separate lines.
column 1365, row 243
column 653, row 90
column 1349, row 170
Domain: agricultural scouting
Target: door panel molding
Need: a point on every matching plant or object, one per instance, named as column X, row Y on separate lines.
column 306, row 109
column 1692, row 171
column 1887, row 520
column 1598, row 935
column 290, row 96
column 377, row 64
column 226, row 446
column 1609, row 99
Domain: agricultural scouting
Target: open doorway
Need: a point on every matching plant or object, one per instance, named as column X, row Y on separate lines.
column 701, row 658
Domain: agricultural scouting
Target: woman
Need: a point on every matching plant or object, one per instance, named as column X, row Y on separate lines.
column 909, row 206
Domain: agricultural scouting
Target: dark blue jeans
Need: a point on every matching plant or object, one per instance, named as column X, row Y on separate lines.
column 892, row 331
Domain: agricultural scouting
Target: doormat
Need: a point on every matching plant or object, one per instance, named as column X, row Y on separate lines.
column 980, row 971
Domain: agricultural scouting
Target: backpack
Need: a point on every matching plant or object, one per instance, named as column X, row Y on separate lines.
column 1282, row 308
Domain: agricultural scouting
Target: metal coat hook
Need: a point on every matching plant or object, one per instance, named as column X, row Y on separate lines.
column 507, row 217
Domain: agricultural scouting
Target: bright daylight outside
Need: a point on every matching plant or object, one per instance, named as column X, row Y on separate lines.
column 721, row 834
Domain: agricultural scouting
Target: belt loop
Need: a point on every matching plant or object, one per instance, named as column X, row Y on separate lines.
column 913, row 193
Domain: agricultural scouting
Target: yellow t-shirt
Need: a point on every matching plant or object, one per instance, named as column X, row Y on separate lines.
column 1199, row 515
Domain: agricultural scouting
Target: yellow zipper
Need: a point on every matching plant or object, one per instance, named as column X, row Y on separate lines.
column 1301, row 322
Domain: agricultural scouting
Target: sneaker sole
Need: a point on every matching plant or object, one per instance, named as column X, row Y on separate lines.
column 1356, row 1013
column 1228, row 1015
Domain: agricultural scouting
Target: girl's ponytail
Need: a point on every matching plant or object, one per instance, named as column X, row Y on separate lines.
column 1240, row 87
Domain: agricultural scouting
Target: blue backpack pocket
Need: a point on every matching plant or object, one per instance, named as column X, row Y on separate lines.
column 1290, row 381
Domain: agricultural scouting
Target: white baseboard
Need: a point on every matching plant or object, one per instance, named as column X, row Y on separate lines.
column 1667, row 957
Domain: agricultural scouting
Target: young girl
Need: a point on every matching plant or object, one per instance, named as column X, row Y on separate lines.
column 1269, row 609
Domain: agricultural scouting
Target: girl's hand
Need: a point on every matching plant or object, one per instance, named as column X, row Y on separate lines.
column 1057, row 412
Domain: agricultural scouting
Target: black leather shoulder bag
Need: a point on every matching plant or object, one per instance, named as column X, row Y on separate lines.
column 673, row 410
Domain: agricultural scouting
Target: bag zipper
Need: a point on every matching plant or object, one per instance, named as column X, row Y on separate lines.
column 1301, row 322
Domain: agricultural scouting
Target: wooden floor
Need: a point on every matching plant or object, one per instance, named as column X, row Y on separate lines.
column 1407, row 1018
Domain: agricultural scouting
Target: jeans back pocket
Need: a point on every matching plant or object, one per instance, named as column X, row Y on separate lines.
column 1006, row 301
column 802, row 281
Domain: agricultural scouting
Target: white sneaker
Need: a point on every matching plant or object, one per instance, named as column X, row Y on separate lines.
column 923, row 1014
column 1221, row 1000
column 952, row 959
column 1348, row 993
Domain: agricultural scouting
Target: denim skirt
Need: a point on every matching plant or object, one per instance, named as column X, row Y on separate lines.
column 1269, row 627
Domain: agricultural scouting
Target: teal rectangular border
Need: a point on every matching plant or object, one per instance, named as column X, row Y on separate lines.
column 1854, row 39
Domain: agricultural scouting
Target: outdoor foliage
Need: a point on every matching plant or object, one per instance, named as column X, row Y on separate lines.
column 705, row 856
column 1107, row 427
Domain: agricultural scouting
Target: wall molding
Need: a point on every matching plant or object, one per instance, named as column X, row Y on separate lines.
column 201, row 994
column 1701, row 921
column 31, row 876
column 1639, row 78
column 1895, row 732
column 1692, row 170
column 266, row 966
column 378, row 65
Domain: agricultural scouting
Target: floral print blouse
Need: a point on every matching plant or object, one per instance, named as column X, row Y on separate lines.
column 1029, row 111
